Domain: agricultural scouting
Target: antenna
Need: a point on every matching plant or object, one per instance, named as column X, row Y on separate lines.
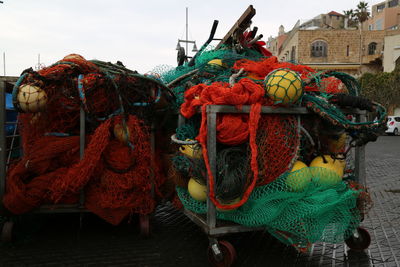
column 39, row 65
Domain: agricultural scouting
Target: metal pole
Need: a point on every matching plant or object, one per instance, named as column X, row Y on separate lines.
column 212, row 154
column 2, row 140
column 359, row 163
column 187, row 38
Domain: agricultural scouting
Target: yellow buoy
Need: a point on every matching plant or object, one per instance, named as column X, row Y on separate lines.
column 191, row 151
column 335, row 166
column 31, row 98
column 121, row 134
column 217, row 63
column 197, row 190
column 283, row 86
column 300, row 179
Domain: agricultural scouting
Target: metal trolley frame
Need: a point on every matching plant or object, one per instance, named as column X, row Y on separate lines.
column 208, row 222
column 6, row 231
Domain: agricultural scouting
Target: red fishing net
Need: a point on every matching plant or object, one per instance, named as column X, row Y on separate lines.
column 278, row 138
column 117, row 175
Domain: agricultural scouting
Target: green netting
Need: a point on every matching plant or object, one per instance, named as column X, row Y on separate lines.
column 337, row 116
column 321, row 208
column 189, row 130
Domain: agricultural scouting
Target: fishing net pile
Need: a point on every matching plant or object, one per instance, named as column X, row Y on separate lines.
column 118, row 171
column 292, row 174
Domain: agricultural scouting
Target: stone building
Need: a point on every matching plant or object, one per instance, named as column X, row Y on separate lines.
column 343, row 49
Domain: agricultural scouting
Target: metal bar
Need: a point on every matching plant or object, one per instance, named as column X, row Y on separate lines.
column 235, row 228
column 181, row 120
column 359, row 164
column 82, row 134
column 212, row 154
column 204, row 46
column 198, row 219
column 13, row 136
column 60, row 208
column 11, row 122
column 12, row 145
column 13, row 148
column 186, row 41
column 2, row 140
column 272, row 110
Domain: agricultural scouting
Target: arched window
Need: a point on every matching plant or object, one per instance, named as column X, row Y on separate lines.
column 372, row 48
column 319, row 49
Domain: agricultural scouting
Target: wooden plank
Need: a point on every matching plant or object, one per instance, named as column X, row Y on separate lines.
column 239, row 26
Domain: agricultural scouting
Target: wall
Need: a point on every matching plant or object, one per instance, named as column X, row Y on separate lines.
column 391, row 53
column 292, row 40
column 391, row 16
column 337, row 40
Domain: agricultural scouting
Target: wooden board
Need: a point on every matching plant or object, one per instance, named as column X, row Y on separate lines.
column 239, row 27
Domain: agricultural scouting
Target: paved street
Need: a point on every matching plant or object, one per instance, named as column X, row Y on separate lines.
column 58, row 240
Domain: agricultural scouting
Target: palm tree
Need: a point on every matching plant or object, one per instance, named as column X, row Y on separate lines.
column 349, row 14
column 362, row 12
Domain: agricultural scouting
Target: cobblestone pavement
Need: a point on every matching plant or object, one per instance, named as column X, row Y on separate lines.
column 71, row 240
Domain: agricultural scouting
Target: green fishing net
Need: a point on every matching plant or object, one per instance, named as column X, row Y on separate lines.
column 299, row 208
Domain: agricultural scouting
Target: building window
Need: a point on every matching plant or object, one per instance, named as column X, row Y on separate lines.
column 372, row 48
column 380, row 8
column 293, row 54
column 378, row 25
column 348, row 51
column 319, row 49
column 370, row 27
column 393, row 3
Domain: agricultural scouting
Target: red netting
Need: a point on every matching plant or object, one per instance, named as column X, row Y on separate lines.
column 333, row 85
column 115, row 175
column 278, row 142
column 260, row 69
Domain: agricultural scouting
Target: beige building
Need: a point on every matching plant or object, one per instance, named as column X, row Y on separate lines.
column 350, row 51
column 391, row 55
column 384, row 16
column 321, row 47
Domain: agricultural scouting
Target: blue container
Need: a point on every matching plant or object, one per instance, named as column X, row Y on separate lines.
column 11, row 115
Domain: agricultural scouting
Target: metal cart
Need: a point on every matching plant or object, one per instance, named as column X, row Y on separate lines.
column 9, row 143
column 221, row 252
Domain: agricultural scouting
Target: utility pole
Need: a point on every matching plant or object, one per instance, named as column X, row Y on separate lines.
column 183, row 52
column 187, row 29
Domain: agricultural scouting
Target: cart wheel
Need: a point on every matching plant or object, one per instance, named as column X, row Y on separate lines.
column 228, row 255
column 360, row 242
column 144, row 223
column 6, row 233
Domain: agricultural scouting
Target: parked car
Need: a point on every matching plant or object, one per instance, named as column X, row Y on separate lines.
column 393, row 125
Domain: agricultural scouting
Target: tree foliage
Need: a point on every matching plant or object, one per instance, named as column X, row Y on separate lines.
column 358, row 15
column 383, row 87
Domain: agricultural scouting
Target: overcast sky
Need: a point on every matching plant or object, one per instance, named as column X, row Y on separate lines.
column 141, row 34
